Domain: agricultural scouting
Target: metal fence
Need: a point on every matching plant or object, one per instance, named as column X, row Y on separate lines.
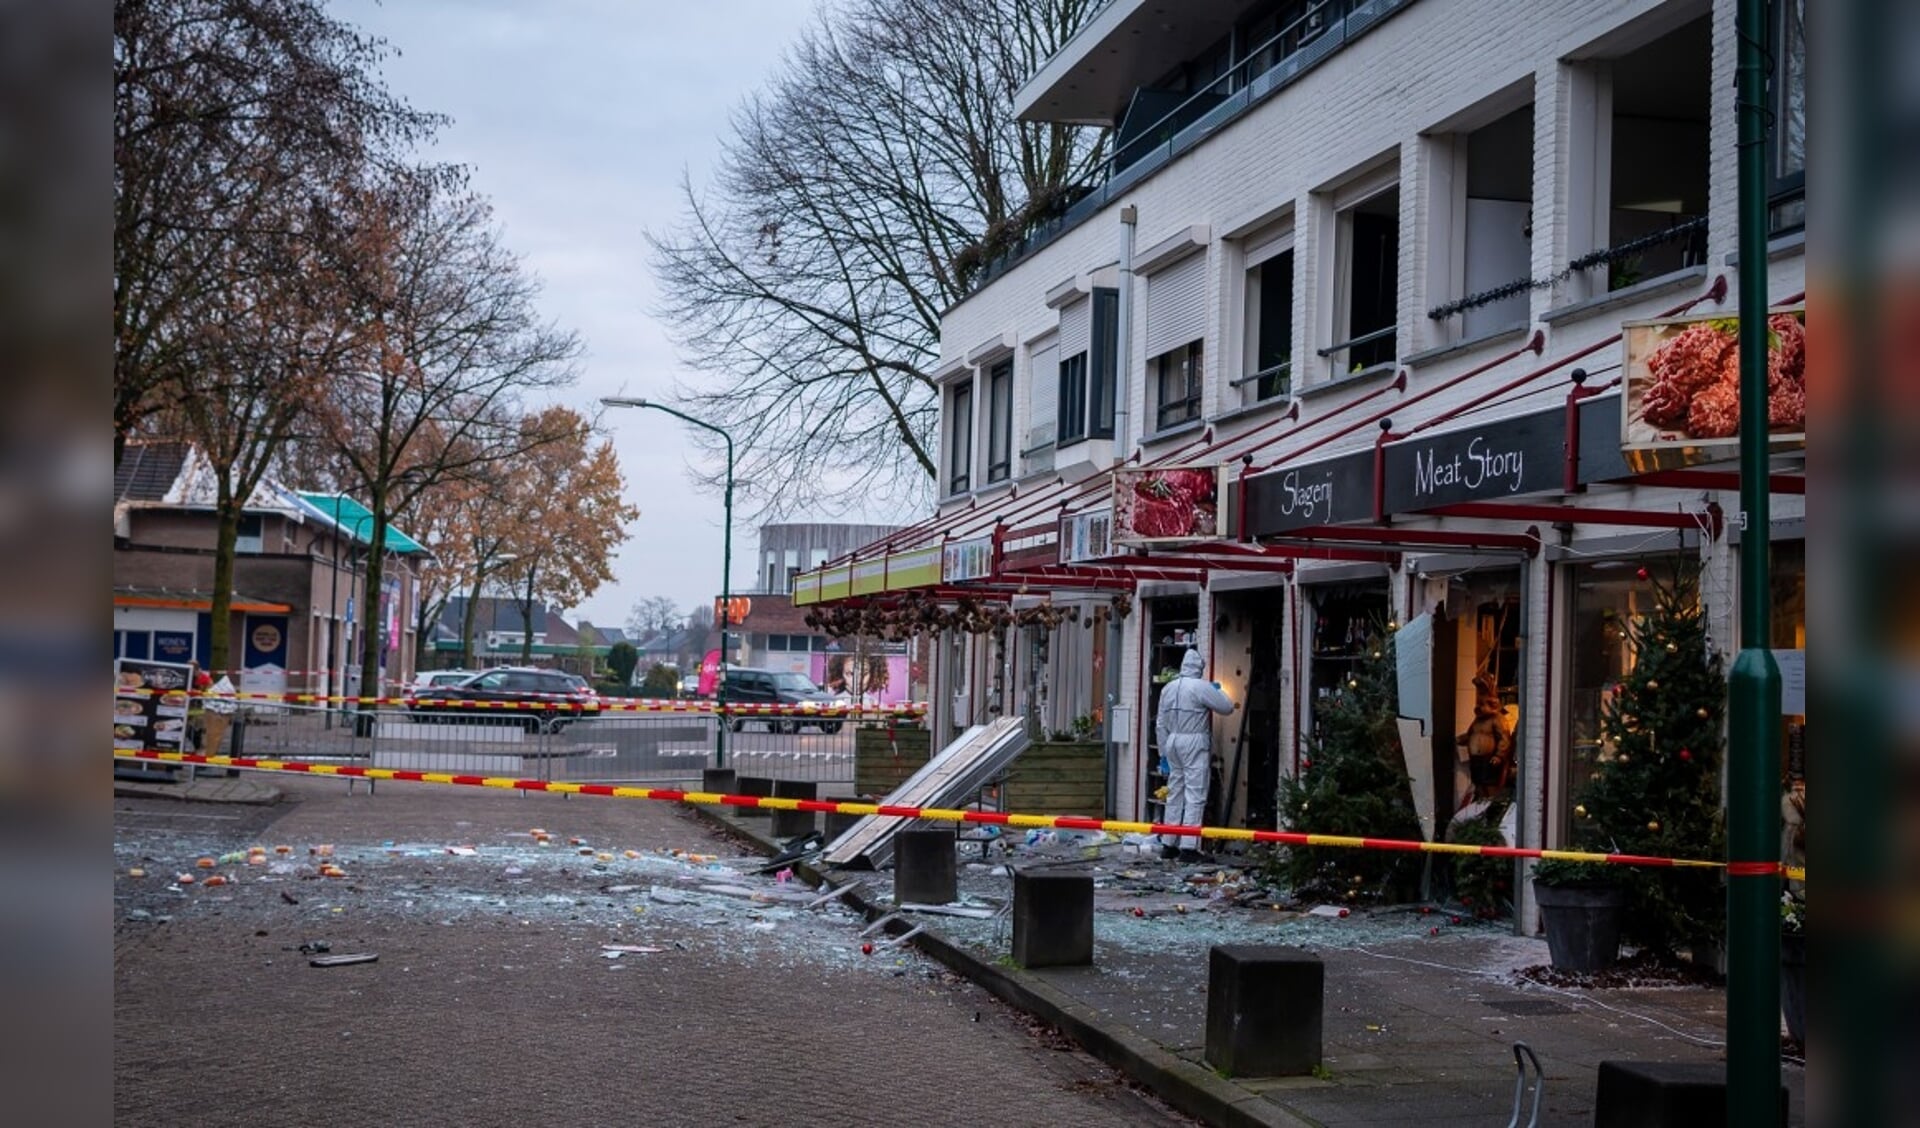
column 615, row 746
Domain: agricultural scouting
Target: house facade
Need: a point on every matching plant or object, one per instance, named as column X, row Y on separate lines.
column 1359, row 334
column 299, row 579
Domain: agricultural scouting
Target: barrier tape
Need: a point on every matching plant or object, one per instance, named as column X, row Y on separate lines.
column 938, row 814
column 603, row 705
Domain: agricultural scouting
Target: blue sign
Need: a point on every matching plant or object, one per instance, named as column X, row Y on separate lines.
column 173, row 646
column 266, row 643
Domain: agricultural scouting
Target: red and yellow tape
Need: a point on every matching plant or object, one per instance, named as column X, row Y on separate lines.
column 940, row 814
column 563, row 705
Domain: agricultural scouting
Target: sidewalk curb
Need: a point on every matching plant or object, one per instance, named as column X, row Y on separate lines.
column 1188, row 1087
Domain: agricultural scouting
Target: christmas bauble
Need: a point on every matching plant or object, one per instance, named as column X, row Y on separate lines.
column 1673, row 648
column 1703, row 712
column 1654, row 826
column 1581, row 810
column 1642, row 573
column 1685, row 755
column 1651, row 684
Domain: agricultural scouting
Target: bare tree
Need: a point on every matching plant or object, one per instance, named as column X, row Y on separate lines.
column 450, row 343
column 226, row 112
column 859, row 193
column 655, row 613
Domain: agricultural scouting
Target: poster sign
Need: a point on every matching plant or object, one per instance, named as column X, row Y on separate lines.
column 966, row 560
column 150, row 704
column 1086, row 536
column 871, row 679
column 1168, row 504
column 1682, row 380
column 709, row 674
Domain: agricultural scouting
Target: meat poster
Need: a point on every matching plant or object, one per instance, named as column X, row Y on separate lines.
column 1172, row 503
column 1683, row 382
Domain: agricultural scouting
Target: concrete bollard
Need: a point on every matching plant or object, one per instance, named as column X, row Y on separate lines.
column 1052, row 918
column 924, row 868
column 1264, row 1009
column 792, row 824
column 1663, row 1094
column 753, row 785
column 838, row 824
column 717, row 781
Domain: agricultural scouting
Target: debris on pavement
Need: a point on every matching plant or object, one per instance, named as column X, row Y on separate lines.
column 343, row 960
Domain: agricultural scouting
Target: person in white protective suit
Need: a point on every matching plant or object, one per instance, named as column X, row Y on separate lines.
column 1184, row 728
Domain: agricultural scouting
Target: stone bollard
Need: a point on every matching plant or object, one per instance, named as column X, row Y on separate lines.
column 1662, row 1094
column 792, row 824
column 924, row 869
column 717, row 781
column 1264, row 1008
column 1052, row 918
column 838, row 824
column 753, row 785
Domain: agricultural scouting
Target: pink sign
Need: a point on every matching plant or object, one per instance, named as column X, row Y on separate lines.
column 709, row 674
column 872, row 679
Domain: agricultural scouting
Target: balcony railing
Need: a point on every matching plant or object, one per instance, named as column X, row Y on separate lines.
column 1265, row 70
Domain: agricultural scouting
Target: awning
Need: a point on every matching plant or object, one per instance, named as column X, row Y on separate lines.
column 196, row 601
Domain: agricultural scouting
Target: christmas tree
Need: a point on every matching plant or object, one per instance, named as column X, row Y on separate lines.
column 1656, row 787
column 1353, row 781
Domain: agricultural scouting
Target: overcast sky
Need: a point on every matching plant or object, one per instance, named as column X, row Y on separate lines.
column 578, row 118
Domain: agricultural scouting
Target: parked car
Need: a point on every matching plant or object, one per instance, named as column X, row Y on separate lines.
column 430, row 679
column 543, row 699
column 769, row 687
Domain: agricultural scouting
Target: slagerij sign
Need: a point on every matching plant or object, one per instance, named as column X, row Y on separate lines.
column 1331, row 492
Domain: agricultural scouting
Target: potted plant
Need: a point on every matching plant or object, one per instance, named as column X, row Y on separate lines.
column 1582, row 905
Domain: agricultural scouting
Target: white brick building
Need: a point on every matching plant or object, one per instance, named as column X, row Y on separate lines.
column 1302, row 195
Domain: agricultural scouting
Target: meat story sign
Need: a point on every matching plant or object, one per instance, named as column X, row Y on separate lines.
column 1167, row 504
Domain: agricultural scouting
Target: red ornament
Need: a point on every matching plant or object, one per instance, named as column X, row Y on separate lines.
column 1642, row 573
column 866, row 949
column 1434, row 931
column 1343, row 914
column 1685, row 755
column 1139, row 912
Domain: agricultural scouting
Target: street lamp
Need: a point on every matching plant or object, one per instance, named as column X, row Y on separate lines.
column 726, row 558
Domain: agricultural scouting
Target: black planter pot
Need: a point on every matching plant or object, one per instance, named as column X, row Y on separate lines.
column 1793, row 984
column 1582, row 923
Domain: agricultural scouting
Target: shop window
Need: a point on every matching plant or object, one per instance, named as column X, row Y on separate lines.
column 1178, row 377
column 1345, row 617
column 1608, row 598
column 1173, row 627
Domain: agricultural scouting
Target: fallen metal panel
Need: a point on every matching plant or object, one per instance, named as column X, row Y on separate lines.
column 951, row 777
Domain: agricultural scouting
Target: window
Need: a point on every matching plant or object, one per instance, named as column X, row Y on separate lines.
column 1000, row 421
column 1073, row 399
column 1787, row 206
column 960, row 440
column 1367, row 283
column 252, row 537
column 1268, row 355
column 1177, row 379
column 1638, row 186
column 1480, row 225
column 1103, row 366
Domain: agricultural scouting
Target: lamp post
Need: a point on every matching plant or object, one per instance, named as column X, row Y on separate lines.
column 726, row 560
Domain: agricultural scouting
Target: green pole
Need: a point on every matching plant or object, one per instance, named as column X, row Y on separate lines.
column 1753, row 792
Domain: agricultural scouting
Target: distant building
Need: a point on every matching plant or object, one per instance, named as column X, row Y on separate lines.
column 299, row 590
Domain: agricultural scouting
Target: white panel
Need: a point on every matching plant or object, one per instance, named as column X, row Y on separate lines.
column 1177, row 305
column 1499, row 250
column 1043, row 389
column 1074, row 329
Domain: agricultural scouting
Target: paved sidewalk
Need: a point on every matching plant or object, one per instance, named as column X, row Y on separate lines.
column 1418, row 1027
column 212, row 785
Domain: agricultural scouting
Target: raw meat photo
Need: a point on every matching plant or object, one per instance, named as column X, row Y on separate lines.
column 1689, row 388
column 1166, row 504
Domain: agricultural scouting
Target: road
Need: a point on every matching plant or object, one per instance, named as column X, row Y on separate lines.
column 492, row 1001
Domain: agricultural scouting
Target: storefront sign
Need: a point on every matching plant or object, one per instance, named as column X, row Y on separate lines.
column 1179, row 503
column 1682, row 380
column 870, row 576
column 1501, row 459
column 918, row 567
column 1086, row 536
column 966, row 560
column 1332, row 492
column 806, row 589
column 836, row 583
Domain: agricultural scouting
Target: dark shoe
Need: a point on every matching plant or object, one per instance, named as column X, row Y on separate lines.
column 1192, row 857
column 1169, row 853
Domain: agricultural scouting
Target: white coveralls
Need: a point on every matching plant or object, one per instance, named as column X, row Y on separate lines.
column 1184, row 730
